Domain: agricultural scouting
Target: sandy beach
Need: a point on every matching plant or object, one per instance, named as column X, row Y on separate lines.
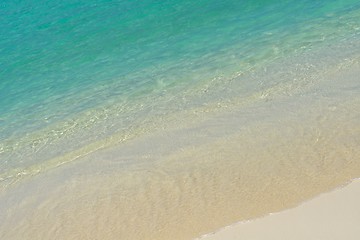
column 187, row 181
column 180, row 120
column 331, row 216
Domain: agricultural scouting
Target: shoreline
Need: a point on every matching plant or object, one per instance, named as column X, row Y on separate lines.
column 241, row 163
column 333, row 215
column 291, row 75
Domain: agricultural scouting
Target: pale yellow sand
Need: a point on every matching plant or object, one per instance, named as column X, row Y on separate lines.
column 331, row 216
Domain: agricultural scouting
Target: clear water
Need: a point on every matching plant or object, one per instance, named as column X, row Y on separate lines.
column 170, row 119
column 74, row 74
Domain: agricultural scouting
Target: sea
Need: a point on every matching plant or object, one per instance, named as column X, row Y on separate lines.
column 147, row 119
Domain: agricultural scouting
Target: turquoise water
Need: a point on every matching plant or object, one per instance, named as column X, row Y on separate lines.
column 170, row 119
column 76, row 73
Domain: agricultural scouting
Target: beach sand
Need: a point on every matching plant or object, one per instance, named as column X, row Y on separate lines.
column 331, row 216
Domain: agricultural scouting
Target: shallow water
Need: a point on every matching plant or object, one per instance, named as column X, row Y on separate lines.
column 159, row 120
column 75, row 73
column 185, row 181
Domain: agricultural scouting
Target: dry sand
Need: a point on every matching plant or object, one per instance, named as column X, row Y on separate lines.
column 331, row 216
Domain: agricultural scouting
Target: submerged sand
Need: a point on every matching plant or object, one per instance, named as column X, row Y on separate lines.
column 331, row 216
column 184, row 181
